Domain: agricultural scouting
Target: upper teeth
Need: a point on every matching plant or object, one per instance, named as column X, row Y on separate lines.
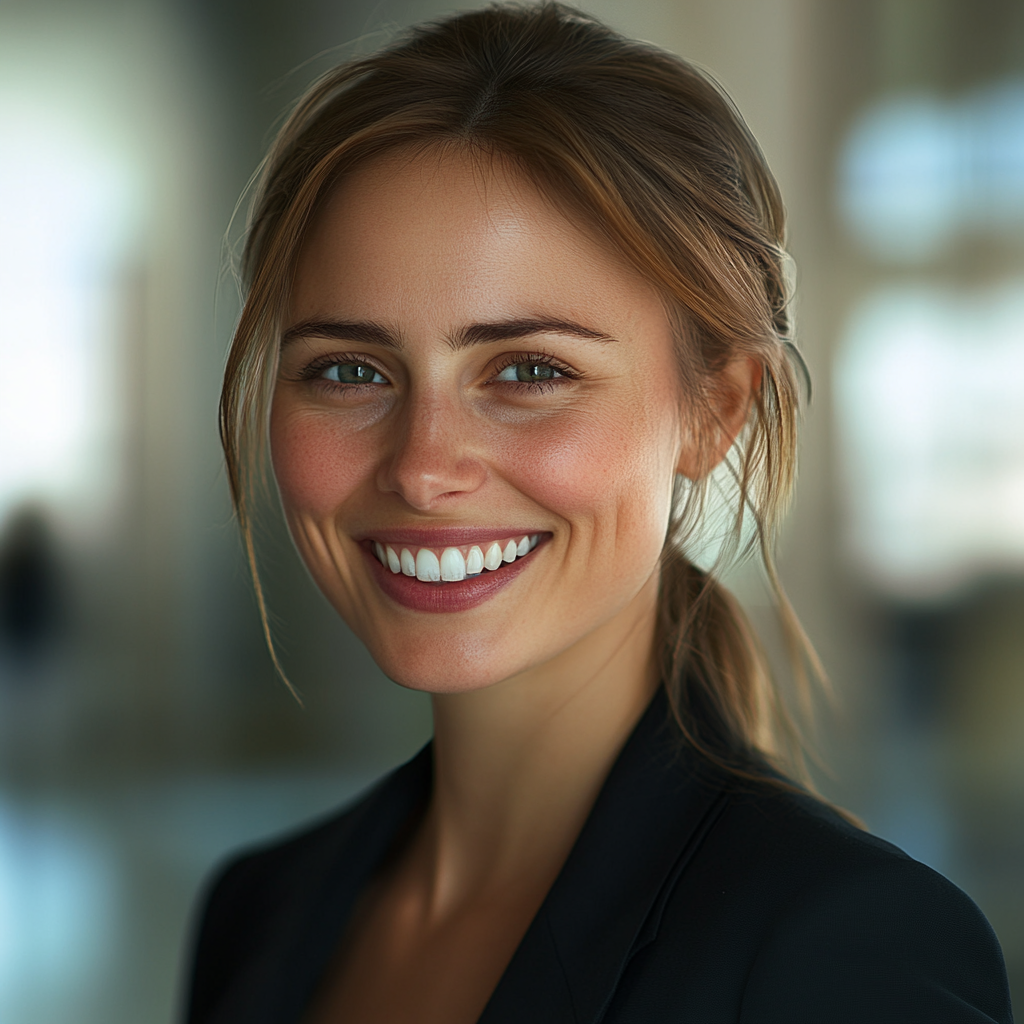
column 453, row 564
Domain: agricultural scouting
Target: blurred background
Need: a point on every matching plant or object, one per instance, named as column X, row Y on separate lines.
column 142, row 730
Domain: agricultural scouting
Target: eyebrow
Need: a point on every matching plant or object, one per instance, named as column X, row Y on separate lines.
column 343, row 330
column 509, row 330
column 371, row 333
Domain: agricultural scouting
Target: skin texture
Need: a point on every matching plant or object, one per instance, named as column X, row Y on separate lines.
column 536, row 688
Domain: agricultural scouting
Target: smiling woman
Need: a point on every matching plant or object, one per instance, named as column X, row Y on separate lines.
column 469, row 370
column 515, row 289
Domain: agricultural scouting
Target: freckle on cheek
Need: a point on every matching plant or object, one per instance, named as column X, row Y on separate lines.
column 314, row 471
column 577, row 474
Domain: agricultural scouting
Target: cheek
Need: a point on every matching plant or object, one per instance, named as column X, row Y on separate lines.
column 316, row 464
column 608, row 473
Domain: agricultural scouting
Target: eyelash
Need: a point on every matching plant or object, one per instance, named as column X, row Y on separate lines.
column 537, row 359
column 313, row 371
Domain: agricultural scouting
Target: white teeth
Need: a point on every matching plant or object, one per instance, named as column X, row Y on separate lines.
column 493, row 557
column 453, row 565
column 428, row 568
column 408, row 563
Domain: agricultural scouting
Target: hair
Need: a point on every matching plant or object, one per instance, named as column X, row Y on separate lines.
column 651, row 153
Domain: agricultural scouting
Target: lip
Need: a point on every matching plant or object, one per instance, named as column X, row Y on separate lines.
column 446, row 536
column 459, row 596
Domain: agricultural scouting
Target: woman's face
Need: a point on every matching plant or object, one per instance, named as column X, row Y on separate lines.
column 472, row 385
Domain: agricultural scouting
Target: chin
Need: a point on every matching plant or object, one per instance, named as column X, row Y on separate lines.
column 446, row 666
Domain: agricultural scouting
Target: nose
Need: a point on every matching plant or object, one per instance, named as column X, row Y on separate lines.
column 431, row 457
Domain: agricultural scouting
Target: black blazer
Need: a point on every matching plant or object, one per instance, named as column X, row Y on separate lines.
column 685, row 899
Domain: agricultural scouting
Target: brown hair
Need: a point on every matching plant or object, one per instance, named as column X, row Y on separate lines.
column 654, row 155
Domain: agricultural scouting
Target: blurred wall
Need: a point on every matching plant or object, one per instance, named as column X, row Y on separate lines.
column 142, row 730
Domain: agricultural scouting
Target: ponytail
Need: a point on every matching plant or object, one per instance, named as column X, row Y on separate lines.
column 713, row 667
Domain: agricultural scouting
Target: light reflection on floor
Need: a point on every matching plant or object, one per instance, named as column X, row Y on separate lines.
column 96, row 888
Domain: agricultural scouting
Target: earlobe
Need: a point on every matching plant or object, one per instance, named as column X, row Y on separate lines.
column 706, row 444
column 690, row 462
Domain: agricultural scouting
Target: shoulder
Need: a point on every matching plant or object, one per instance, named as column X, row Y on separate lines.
column 245, row 900
column 253, row 881
column 815, row 919
column 868, row 932
column 281, row 902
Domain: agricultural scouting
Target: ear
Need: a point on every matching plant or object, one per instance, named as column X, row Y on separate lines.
column 707, row 443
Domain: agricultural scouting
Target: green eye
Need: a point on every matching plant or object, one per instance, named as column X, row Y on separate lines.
column 526, row 373
column 353, row 373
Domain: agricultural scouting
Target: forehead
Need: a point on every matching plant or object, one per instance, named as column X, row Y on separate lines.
column 456, row 234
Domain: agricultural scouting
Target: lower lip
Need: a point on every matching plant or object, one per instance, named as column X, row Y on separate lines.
column 418, row 596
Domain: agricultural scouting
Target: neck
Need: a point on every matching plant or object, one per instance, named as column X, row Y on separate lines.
column 519, row 764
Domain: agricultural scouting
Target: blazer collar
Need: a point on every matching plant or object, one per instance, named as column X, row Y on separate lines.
column 655, row 807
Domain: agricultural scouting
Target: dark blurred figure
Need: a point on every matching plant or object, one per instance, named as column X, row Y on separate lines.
column 31, row 606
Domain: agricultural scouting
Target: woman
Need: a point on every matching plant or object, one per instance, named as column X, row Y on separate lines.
column 515, row 288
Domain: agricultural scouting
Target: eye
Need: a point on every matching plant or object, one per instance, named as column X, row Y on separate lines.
column 526, row 373
column 352, row 373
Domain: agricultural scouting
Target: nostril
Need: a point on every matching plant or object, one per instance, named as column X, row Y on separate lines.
column 422, row 487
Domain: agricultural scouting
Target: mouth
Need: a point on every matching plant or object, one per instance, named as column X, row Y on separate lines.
column 453, row 564
column 431, row 571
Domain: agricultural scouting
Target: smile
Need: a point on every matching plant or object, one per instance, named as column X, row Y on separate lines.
column 452, row 564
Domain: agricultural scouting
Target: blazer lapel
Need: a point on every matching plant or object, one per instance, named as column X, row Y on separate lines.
column 651, row 814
